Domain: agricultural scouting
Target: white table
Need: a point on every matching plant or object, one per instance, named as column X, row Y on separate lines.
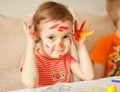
column 98, row 85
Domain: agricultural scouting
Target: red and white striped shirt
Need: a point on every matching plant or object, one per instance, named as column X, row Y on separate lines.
column 52, row 71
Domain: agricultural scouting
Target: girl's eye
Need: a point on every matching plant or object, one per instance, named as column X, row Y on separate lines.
column 66, row 37
column 51, row 37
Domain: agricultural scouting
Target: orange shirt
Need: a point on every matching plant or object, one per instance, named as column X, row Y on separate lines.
column 52, row 71
column 107, row 52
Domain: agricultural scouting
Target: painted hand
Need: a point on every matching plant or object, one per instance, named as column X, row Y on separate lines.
column 31, row 34
column 81, row 34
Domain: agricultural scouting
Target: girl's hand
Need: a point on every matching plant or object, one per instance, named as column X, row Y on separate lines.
column 31, row 34
column 81, row 34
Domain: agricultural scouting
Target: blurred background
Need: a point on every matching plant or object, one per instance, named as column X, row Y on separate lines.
column 21, row 8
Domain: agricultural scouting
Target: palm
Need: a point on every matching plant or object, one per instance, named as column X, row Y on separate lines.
column 81, row 34
column 28, row 30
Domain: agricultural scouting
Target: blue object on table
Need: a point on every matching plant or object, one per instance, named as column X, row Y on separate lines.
column 116, row 80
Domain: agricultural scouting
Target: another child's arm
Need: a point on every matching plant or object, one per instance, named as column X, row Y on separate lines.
column 99, row 56
column 29, row 72
column 99, row 70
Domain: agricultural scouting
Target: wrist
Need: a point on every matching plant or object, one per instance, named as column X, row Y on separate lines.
column 31, row 44
column 81, row 46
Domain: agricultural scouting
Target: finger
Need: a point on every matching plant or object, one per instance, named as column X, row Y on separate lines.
column 86, row 27
column 90, row 32
column 83, row 35
column 82, row 25
column 26, row 27
column 75, row 25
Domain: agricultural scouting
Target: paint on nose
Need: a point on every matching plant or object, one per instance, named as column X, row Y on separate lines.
column 60, row 44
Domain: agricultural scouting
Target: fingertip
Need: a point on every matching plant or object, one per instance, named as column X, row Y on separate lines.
column 24, row 26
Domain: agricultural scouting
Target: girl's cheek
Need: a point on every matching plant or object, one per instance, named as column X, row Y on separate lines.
column 68, row 43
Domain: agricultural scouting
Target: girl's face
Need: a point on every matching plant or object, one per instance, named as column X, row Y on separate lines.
column 55, row 38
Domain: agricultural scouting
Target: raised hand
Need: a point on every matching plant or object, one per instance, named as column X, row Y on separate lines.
column 81, row 34
column 31, row 34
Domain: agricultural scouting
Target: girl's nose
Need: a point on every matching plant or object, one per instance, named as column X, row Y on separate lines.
column 60, row 44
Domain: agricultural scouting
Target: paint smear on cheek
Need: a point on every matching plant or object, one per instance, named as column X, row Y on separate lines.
column 47, row 46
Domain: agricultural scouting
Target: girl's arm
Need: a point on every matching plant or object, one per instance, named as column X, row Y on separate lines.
column 29, row 74
column 84, row 68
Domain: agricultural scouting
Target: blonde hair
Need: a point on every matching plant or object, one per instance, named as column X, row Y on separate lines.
column 50, row 11
column 113, row 7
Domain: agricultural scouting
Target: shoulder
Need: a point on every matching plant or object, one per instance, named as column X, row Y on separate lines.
column 105, row 39
column 69, row 57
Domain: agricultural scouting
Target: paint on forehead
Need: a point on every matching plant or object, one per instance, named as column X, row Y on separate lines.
column 61, row 34
column 62, row 28
column 54, row 26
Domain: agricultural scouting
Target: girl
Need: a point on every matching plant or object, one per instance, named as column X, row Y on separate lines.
column 51, row 63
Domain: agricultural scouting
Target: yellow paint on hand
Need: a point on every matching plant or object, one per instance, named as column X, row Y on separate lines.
column 84, row 34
